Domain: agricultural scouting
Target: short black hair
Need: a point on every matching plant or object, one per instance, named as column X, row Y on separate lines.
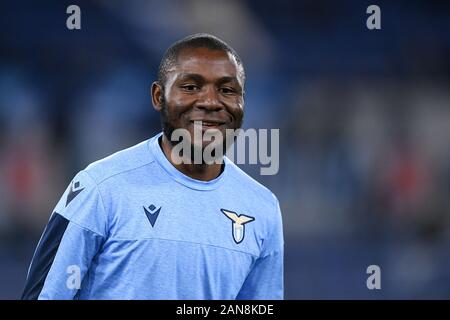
column 198, row 40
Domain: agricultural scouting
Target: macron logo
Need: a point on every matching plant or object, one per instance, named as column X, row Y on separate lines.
column 73, row 192
column 152, row 214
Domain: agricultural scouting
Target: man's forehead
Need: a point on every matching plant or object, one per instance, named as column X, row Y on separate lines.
column 204, row 60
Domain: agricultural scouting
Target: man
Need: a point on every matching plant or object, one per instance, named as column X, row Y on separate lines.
column 141, row 225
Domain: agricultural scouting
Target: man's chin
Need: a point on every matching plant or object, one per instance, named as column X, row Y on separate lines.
column 207, row 145
column 199, row 138
column 208, row 151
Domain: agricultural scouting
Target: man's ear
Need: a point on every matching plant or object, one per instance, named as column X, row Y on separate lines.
column 157, row 96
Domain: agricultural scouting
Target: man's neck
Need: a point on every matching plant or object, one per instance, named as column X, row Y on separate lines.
column 203, row 172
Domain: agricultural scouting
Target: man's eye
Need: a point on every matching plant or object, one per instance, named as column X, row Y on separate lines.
column 190, row 87
column 227, row 90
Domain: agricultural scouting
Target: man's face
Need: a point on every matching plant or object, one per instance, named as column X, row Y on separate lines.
column 204, row 85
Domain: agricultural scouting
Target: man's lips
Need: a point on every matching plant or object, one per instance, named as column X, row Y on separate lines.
column 208, row 123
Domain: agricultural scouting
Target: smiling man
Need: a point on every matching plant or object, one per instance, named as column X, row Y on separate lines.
column 140, row 225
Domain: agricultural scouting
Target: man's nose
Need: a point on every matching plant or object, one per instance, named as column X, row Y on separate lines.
column 209, row 100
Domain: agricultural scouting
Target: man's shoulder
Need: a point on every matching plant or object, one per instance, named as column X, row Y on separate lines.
column 257, row 189
column 120, row 162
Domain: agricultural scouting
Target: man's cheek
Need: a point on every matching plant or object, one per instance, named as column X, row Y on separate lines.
column 239, row 117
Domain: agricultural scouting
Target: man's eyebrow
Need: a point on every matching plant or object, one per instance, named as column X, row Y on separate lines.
column 228, row 79
column 191, row 76
column 198, row 77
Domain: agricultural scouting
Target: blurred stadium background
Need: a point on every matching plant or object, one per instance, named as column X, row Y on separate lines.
column 364, row 119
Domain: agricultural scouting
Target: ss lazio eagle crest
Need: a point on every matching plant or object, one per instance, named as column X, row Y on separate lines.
column 238, row 224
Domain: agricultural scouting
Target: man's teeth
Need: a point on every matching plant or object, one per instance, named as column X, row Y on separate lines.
column 207, row 124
